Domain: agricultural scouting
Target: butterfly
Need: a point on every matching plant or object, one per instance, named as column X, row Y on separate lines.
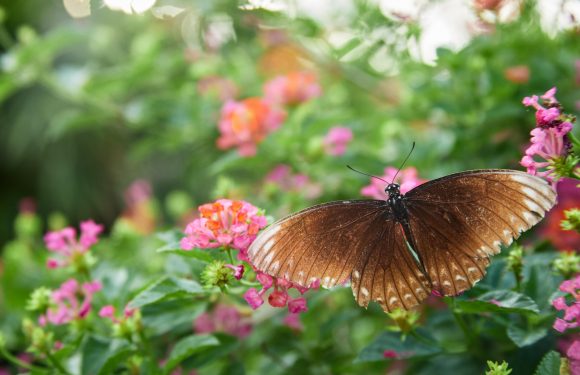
column 438, row 237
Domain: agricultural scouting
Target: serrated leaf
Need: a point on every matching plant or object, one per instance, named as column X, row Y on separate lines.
column 550, row 364
column 524, row 336
column 166, row 288
column 403, row 348
column 503, row 301
column 187, row 347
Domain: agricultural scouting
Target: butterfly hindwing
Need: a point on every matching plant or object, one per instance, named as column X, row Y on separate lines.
column 457, row 222
column 387, row 272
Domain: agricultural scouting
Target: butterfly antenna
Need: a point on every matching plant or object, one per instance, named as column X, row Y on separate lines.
column 366, row 174
column 403, row 163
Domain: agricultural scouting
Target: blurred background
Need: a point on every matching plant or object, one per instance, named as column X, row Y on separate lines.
column 104, row 104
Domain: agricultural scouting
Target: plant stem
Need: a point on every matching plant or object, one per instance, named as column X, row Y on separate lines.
column 16, row 361
column 56, row 363
column 230, row 256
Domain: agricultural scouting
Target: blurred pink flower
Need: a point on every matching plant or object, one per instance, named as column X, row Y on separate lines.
column 571, row 318
column 293, row 321
column 407, row 178
column 549, row 142
column 293, row 88
column 227, row 223
column 107, row 312
column 223, row 318
column 570, row 347
column 64, row 242
column 568, row 198
column 282, row 176
column 71, row 301
column 336, row 140
column 246, row 123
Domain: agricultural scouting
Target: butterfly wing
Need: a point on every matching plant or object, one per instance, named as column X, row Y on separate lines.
column 332, row 241
column 457, row 222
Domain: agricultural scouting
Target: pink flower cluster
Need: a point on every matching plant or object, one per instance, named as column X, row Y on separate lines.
column 279, row 296
column 292, row 88
column 64, row 242
column 223, row 318
column 224, row 223
column 407, row 178
column 336, row 140
column 71, row 301
column 109, row 312
column 550, row 142
column 246, row 123
column 571, row 317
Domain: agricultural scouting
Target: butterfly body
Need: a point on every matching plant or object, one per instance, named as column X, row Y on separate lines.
column 453, row 225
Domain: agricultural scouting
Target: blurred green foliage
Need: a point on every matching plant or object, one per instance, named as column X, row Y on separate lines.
column 88, row 106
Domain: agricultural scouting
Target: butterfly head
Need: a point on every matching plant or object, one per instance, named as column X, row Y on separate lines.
column 393, row 190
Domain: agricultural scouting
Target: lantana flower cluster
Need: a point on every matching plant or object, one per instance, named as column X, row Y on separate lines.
column 547, row 156
column 571, row 318
column 72, row 301
column 224, row 223
column 233, row 225
column 336, row 140
column 244, row 124
column 70, row 250
column 407, row 178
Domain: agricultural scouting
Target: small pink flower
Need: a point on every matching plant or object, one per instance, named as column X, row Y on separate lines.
column 265, row 279
column 293, row 321
column 226, row 223
column 571, row 318
column 71, row 301
column 407, row 178
column 246, row 123
column 390, row 354
column 107, row 312
column 292, row 88
column 559, row 303
column 238, row 270
column 278, row 298
column 336, row 140
column 64, row 242
column 549, row 141
column 297, row 305
column 253, row 298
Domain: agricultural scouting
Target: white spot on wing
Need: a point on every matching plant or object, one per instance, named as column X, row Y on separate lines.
column 472, row 269
column 446, row 283
column 364, row 291
column 356, row 274
column 393, row 300
column 460, row 278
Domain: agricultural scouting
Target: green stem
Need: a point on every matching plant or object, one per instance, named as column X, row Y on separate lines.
column 56, row 363
column 230, row 256
column 19, row 363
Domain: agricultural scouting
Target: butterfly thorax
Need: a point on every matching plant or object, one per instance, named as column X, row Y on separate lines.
column 397, row 202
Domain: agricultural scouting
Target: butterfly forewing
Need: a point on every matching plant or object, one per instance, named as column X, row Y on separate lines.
column 457, row 222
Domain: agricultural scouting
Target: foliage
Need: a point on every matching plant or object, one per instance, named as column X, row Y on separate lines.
column 134, row 121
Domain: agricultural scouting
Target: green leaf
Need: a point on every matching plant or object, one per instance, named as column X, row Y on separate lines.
column 503, row 301
column 524, row 336
column 187, row 347
column 166, row 288
column 102, row 357
column 171, row 315
column 550, row 364
column 173, row 248
column 408, row 347
column 227, row 345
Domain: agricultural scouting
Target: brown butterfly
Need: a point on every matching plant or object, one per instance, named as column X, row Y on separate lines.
column 437, row 237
